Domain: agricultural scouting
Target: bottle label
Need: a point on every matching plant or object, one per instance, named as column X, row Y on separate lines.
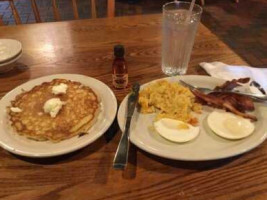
column 120, row 80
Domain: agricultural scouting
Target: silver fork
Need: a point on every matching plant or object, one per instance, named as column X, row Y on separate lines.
column 260, row 97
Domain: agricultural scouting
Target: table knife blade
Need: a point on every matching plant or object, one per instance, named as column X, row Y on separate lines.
column 121, row 156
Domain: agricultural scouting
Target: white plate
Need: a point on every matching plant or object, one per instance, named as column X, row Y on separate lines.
column 14, row 59
column 20, row 145
column 9, row 65
column 207, row 146
column 9, row 49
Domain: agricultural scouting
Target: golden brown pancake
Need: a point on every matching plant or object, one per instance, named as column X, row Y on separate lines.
column 76, row 116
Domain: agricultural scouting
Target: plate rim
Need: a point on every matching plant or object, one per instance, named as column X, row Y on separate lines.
column 9, row 65
column 67, row 151
column 159, row 154
column 2, row 62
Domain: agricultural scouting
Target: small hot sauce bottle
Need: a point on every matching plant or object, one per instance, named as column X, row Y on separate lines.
column 119, row 68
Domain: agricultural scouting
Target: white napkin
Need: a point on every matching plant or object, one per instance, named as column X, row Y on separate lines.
column 229, row 72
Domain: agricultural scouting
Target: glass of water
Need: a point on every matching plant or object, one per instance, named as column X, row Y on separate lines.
column 179, row 31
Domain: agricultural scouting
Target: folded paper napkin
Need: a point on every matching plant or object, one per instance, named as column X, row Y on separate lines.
column 229, row 72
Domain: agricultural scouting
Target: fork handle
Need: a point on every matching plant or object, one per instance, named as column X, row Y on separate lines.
column 253, row 96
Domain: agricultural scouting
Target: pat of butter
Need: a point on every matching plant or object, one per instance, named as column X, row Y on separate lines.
column 15, row 109
column 53, row 106
column 59, row 89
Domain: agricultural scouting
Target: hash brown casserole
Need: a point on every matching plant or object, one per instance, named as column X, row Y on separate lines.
column 169, row 100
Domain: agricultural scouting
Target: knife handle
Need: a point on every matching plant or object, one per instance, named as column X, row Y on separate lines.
column 121, row 156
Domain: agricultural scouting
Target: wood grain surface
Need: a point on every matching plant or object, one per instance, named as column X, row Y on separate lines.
column 86, row 47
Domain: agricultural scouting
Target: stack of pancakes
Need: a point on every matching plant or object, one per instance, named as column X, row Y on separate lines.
column 76, row 116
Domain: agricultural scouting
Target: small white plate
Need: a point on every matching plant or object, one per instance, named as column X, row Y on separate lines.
column 20, row 145
column 207, row 146
column 9, row 49
column 14, row 59
column 9, row 65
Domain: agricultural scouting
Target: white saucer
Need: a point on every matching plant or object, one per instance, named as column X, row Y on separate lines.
column 9, row 49
column 7, row 66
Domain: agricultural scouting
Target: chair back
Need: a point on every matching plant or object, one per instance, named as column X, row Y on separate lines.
column 14, row 12
column 56, row 12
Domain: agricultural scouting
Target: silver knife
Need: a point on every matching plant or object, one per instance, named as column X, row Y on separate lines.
column 121, row 156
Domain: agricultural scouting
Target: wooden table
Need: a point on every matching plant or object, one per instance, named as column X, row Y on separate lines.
column 86, row 47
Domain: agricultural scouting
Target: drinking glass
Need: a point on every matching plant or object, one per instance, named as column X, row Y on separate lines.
column 179, row 30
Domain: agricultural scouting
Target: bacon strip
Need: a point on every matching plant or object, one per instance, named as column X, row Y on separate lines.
column 221, row 103
column 240, row 102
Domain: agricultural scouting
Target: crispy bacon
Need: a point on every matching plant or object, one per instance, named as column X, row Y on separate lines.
column 240, row 102
column 229, row 103
column 235, row 103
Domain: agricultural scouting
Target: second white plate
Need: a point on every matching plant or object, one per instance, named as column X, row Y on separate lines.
column 9, row 49
column 20, row 145
column 207, row 146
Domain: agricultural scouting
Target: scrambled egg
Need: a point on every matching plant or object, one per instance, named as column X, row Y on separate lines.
column 169, row 100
